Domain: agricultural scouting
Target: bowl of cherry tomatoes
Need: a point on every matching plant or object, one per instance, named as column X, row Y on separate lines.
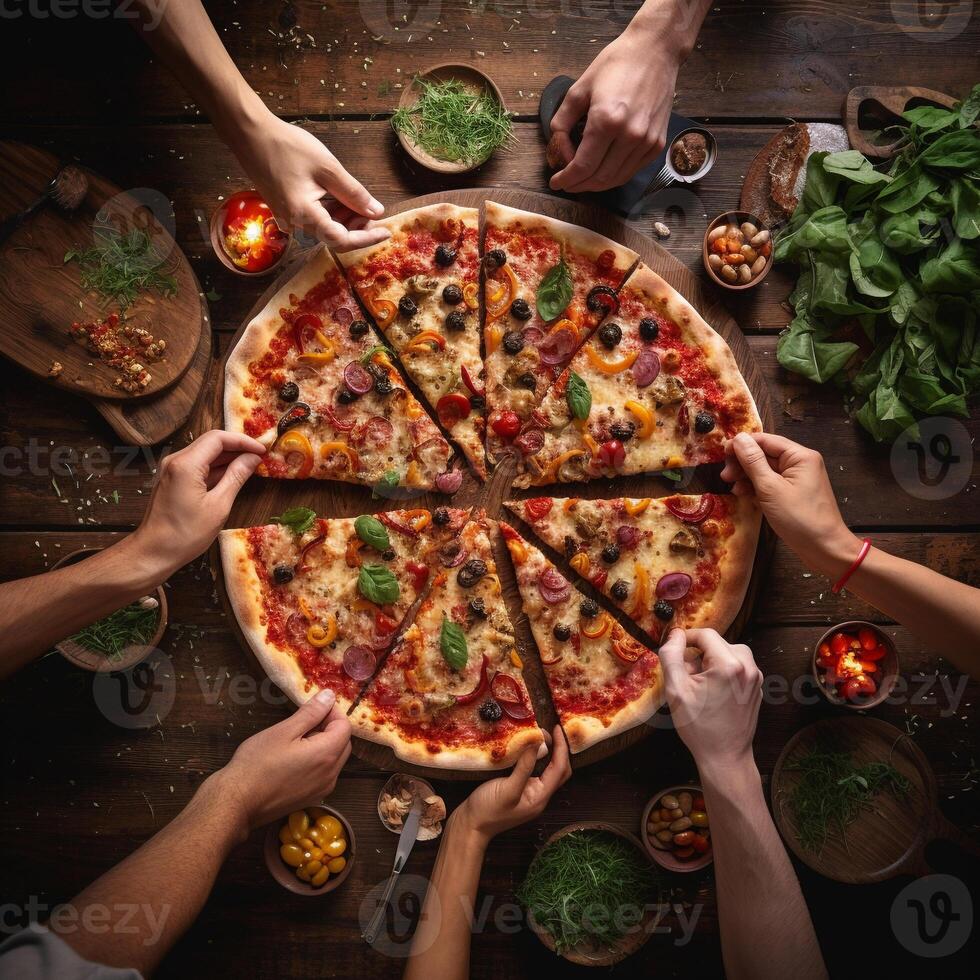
column 855, row 665
column 310, row 852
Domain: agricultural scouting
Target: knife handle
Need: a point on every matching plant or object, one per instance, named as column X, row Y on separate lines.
column 371, row 933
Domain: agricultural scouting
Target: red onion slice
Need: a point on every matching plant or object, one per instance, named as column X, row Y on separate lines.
column 343, row 316
column 517, row 710
column 504, row 688
column 646, row 368
column 359, row 663
column 530, row 442
column 553, row 586
column 700, row 513
column 673, row 586
column 452, row 559
column 533, row 335
column 557, row 348
column 450, row 481
column 358, row 378
column 627, row 536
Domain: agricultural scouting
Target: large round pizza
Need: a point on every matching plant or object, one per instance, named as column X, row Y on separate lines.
column 470, row 338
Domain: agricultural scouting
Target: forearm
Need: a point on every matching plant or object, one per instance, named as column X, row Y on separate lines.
column 186, row 41
column 37, row 612
column 671, row 23
column 146, row 903
column 443, row 939
column 765, row 924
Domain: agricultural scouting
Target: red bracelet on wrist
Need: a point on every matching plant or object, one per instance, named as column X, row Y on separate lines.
column 862, row 554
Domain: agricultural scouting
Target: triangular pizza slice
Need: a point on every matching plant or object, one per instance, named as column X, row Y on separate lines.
column 308, row 379
column 602, row 681
column 421, row 286
column 548, row 285
column 683, row 560
column 451, row 694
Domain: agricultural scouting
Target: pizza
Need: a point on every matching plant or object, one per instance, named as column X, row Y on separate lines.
column 421, row 286
column 320, row 600
column 309, row 380
column 683, row 560
column 602, row 681
column 654, row 388
column 547, row 286
column 451, row 693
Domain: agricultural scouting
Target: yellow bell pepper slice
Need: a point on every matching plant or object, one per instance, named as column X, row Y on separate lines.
column 500, row 293
column 556, row 464
column 581, row 563
column 304, row 608
column 471, row 295
column 316, row 636
column 492, row 337
column 640, row 596
column 518, row 552
column 636, row 507
column 598, row 627
column 567, row 325
column 413, row 475
column 569, row 504
column 328, row 448
column 413, row 409
column 515, row 659
column 644, row 416
column 611, row 367
column 591, row 443
column 293, row 441
column 426, row 337
column 320, row 357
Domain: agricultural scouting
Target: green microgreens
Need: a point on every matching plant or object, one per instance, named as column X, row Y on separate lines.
column 129, row 626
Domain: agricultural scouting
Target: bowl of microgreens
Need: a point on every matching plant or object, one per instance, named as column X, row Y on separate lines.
column 451, row 118
column 591, row 894
column 121, row 639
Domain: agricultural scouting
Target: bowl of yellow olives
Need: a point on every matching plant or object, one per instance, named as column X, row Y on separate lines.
column 311, row 852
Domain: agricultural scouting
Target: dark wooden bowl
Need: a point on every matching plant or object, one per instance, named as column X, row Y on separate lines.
column 473, row 80
column 666, row 859
column 625, row 946
column 286, row 876
column 97, row 662
column 217, row 220
column 735, row 218
column 888, row 667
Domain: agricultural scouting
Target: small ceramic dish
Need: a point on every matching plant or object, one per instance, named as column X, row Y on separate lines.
column 667, row 859
column 711, row 154
column 218, row 245
column 286, row 876
column 736, row 218
column 888, row 669
column 414, row 786
column 474, row 81
column 97, row 662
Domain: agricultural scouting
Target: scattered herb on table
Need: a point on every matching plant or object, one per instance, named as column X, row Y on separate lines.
column 133, row 625
column 588, row 887
column 120, row 267
column 832, row 791
column 887, row 302
column 452, row 123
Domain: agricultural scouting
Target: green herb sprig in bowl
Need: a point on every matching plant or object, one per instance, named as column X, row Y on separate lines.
column 133, row 625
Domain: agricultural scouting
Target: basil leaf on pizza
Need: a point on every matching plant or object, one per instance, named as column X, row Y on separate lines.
column 555, row 291
column 298, row 519
column 372, row 532
column 452, row 643
column 378, row 585
column 578, row 396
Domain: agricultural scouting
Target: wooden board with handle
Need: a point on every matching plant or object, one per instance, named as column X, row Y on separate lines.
column 262, row 498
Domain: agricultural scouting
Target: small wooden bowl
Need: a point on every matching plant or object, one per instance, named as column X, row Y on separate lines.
column 286, row 876
column 734, row 218
column 474, row 81
column 97, row 662
column 218, row 245
column 625, row 946
column 888, row 667
column 666, row 859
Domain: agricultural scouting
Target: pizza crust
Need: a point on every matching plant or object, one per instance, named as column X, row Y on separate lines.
column 583, row 731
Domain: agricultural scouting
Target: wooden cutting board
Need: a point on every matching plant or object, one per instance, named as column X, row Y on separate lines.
column 261, row 498
column 41, row 295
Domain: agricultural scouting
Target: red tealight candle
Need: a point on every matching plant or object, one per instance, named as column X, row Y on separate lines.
column 250, row 236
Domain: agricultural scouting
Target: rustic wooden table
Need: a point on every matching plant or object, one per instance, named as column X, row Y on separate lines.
column 80, row 791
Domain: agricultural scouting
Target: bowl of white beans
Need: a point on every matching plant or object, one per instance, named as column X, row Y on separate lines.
column 737, row 250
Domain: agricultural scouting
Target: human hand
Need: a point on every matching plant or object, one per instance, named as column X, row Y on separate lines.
column 791, row 485
column 627, row 93
column 192, row 498
column 289, row 765
column 294, row 171
column 500, row 804
column 715, row 707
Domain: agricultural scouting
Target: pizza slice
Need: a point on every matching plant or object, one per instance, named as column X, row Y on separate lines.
column 548, row 284
column 421, row 286
column 654, row 388
column 602, row 681
column 308, row 380
column 683, row 560
column 451, row 694
column 320, row 600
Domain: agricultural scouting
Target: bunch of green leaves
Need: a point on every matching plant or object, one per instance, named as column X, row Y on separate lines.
column 298, row 519
column 886, row 305
column 832, row 790
column 451, row 122
column 588, row 887
column 130, row 626
column 120, row 267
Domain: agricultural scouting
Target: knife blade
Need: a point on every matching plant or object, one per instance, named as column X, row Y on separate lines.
column 406, row 841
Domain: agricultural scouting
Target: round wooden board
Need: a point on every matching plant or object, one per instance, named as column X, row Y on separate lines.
column 41, row 294
column 881, row 843
column 260, row 499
